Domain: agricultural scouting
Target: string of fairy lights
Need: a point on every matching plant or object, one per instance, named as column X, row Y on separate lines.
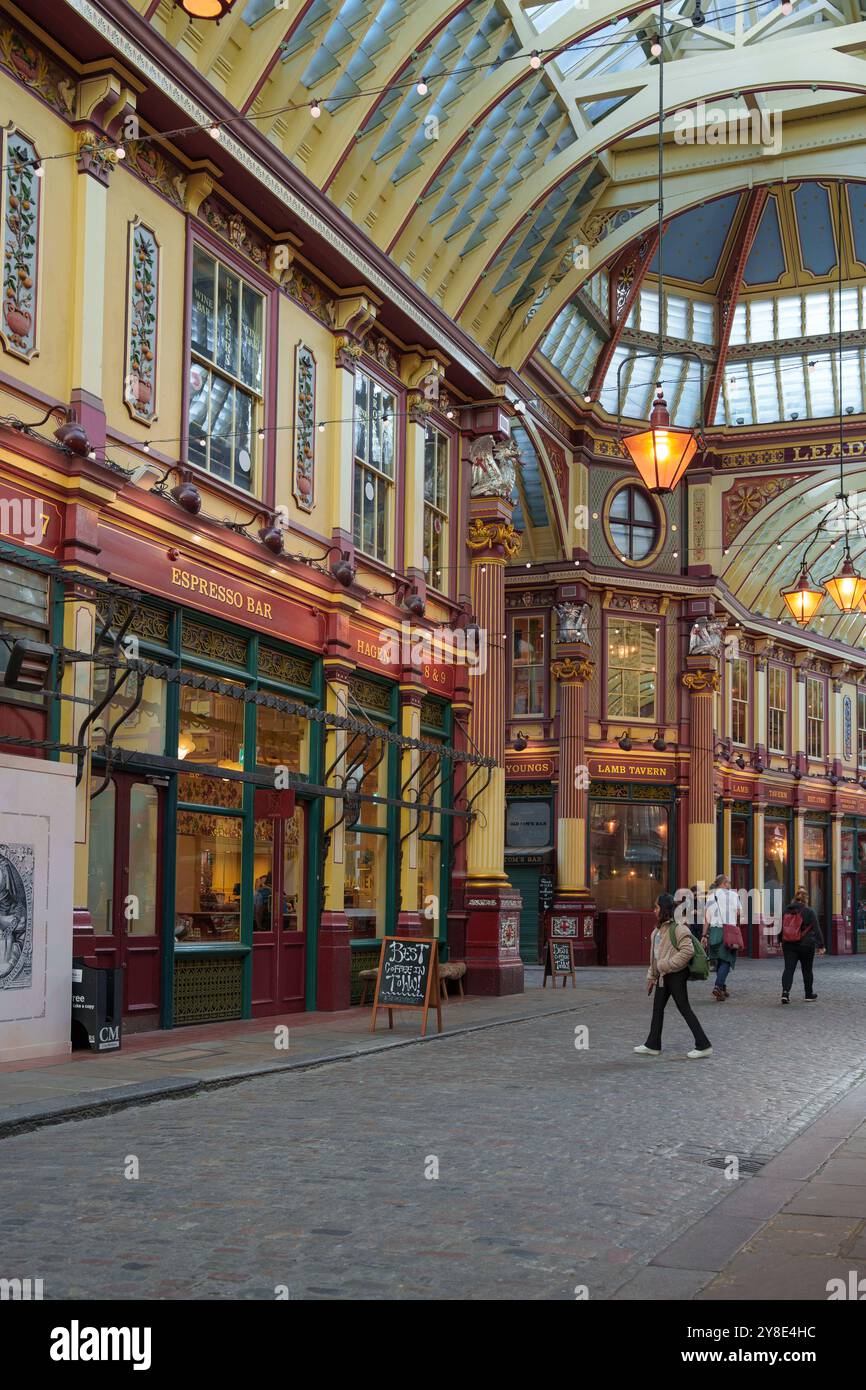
column 535, row 62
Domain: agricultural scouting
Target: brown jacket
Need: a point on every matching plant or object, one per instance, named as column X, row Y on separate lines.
column 670, row 959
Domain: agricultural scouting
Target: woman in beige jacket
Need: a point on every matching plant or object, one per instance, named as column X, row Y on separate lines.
column 668, row 975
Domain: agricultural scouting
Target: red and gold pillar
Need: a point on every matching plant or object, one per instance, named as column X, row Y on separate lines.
column 573, row 913
column 701, row 680
column 493, row 964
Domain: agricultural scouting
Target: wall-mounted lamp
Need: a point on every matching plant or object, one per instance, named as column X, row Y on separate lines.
column 659, row 743
column 625, row 742
column 520, row 741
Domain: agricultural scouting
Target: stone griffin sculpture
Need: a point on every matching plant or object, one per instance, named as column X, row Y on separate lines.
column 572, row 622
column 705, row 637
column 494, row 466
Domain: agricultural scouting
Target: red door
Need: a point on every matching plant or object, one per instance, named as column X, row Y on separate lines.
column 279, row 914
column 125, row 888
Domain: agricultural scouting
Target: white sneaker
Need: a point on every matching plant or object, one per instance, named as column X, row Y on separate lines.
column 648, row 1051
column 700, row 1052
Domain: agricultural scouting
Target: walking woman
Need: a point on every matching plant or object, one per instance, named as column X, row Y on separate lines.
column 671, row 949
column 722, row 938
column 800, row 938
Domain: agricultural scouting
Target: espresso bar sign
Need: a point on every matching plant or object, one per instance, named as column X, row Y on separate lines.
column 233, row 599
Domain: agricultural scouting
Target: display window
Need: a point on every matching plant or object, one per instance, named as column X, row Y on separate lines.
column 628, row 849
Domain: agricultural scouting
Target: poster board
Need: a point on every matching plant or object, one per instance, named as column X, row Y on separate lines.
column 559, row 961
column 407, row 976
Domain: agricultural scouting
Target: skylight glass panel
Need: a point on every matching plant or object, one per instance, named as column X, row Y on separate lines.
column 676, row 316
column 738, row 327
column 790, row 315
column 608, row 395
column 765, row 390
column 821, row 387
column 852, row 386
column 689, row 404
column 738, row 395
column 817, row 313
column 648, row 313
column 850, row 309
column 792, row 373
column 703, row 330
column 760, row 320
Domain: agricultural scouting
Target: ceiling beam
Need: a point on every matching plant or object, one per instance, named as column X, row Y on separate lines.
column 729, row 292
column 626, row 277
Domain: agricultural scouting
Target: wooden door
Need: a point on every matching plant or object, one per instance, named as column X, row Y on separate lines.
column 279, row 914
column 125, row 887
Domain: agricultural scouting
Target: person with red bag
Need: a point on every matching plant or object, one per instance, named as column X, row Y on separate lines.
column 800, row 938
column 722, row 938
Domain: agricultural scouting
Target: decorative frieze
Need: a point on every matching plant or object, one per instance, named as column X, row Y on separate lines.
column 300, row 286
column 22, row 209
column 747, row 498
column 304, row 481
column 227, row 222
column 699, row 681
column 147, row 160
column 142, row 323
column 492, row 534
column 36, row 69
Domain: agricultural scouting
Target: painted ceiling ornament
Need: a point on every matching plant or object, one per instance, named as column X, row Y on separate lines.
column 494, row 466
column 705, row 637
column 572, row 622
column 488, row 535
column 568, row 670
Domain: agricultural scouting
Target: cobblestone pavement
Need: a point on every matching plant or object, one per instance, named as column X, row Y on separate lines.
column 558, row 1166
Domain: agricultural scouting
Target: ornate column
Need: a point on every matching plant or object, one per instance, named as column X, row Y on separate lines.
column 701, row 680
column 353, row 318
column 493, row 907
column 334, row 954
column 410, row 921
column 573, row 907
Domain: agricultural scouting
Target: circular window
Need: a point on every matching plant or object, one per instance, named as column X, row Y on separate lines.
column 633, row 524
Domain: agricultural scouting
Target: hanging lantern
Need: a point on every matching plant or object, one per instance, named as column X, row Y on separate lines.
column 803, row 599
column 661, row 454
column 846, row 588
column 205, row 9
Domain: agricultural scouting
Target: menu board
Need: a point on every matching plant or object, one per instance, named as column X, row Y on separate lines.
column 559, row 960
column 408, row 975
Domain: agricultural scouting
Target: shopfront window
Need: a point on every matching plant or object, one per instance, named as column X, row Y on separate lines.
column 143, row 856
column 143, row 726
column 375, row 410
column 212, row 733
column 739, row 837
column 436, row 451
column 282, row 740
column 775, row 855
column 777, row 695
column 208, row 878
column 628, row 850
column 100, row 861
column 814, row 717
column 815, row 843
column 23, row 613
column 740, row 700
column 226, row 372
column 632, row 670
column 527, row 666
column 365, row 890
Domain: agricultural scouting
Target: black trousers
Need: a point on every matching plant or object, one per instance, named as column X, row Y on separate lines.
column 794, row 951
column 674, row 986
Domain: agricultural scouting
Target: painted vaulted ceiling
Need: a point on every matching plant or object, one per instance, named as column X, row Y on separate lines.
column 506, row 186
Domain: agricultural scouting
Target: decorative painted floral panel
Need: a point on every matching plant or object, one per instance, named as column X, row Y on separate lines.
column 142, row 323
column 22, row 199
column 304, row 486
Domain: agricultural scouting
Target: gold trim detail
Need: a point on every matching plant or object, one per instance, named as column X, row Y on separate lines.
column 484, row 534
column 569, row 670
column 700, row 681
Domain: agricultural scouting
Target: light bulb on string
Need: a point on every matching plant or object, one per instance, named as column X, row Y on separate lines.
column 421, row 88
column 535, row 59
column 315, row 110
column 656, row 47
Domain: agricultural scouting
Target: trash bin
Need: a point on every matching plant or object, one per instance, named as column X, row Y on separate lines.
column 97, row 1006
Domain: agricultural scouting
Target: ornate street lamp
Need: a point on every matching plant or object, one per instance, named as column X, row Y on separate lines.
column 847, row 588
column 803, row 599
column 662, row 453
column 205, row 9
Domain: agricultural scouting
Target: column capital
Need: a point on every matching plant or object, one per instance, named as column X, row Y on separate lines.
column 566, row 669
column 492, row 539
column 701, row 681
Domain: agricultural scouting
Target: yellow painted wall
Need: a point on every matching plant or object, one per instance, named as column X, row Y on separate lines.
column 129, row 197
column 49, row 371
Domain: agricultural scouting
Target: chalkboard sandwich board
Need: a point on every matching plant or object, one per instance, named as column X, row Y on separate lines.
column 559, row 960
column 407, row 979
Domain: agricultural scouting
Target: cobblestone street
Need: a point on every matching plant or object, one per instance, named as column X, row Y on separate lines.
column 557, row 1166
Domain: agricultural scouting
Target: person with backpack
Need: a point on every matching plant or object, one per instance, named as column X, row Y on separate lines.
column 722, row 938
column 675, row 956
column 800, row 938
